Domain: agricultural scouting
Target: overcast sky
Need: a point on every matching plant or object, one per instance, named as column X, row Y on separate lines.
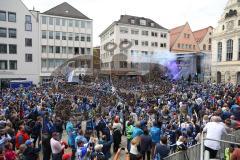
column 168, row 13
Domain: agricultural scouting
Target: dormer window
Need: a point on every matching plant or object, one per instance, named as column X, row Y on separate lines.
column 152, row 24
column 143, row 22
column 132, row 21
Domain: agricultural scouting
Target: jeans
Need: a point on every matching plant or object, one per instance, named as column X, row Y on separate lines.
column 144, row 154
column 128, row 145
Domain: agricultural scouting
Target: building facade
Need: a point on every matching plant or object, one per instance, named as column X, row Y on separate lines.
column 65, row 33
column 203, row 38
column 19, row 56
column 226, row 45
column 131, row 36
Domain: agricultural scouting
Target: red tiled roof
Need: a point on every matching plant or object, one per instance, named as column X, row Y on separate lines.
column 200, row 34
column 174, row 34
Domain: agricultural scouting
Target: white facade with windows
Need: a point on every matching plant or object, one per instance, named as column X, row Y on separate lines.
column 226, row 45
column 146, row 37
column 19, row 56
column 63, row 38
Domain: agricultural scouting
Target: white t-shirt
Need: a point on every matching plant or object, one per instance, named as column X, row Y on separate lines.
column 215, row 131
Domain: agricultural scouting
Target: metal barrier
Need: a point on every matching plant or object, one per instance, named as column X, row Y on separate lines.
column 194, row 152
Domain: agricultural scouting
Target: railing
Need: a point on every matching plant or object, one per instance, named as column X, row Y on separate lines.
column 194, row 152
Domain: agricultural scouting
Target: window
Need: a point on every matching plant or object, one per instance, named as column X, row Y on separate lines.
column 44, row 20
column 238, row 22
column 144, row 43
column 229, row 50
column 223, row 27
column 134, row 31
column 152, row 24
column 3, row 48
column 57, row 35
column 64, row 37
column 64, row 50
column 88, row 50
column 82, row 24
column 50, row 21
column 76, row 37
column 76, row 50
column 28, row 42
column 88, row 24
column 82, row 50
column 51, row 63
column 143, row 22
column 82, row 38
column 57, row 49
column 209, row 47
column 28, row 57
column 11, row 17
column 2, row 16
column 163, row 35
column 145, row 33
column 12, row 33
column 57, row 21
column 3, row 32
column 44, row 49
column 136, row 42
column 209, row 40
column 156, row 44
column 28, row 19
column 88, row 38
column 44, row 34
column 50, row 49
column 194, row 47
column 70, row 23
column 77, row 24
column 123, row 64
column 63, row 22
column 44, row 63
column 13, row 65
column 70, row 50
column 179, row 45
column 132, row 21
column 50, row 36
column 152, row 44
column 123, row 30
column 28, row 26
column 70, row 36
column 204, row 47
column 12, row 49
column 3, row 65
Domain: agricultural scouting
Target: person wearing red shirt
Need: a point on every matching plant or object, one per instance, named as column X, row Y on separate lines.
column 9, row 153
column 21, row 136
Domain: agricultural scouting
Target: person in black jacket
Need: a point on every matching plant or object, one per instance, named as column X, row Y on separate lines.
column 146, row 144
column 31, row 153
column 36, row 131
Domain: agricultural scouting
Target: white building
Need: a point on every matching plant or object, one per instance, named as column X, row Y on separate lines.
column 147, row 38
column 19, row 56
column 64, row 34
column 226, row 45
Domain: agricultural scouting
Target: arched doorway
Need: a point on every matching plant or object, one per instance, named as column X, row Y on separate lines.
column 238, row 77
column 219, row 77
column 227, row 77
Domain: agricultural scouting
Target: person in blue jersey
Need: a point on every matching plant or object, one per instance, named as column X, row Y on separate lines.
column 137, row 131
column 155, row 134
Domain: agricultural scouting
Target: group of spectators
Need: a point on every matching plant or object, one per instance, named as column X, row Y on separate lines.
column 108, row 119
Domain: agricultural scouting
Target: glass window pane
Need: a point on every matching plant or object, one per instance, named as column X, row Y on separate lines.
column 13, row 65
column 77, row 24
column 82, row 24
column 3, row 48
column 44, row 49
column 70, row 36
column 58, row 21
column 28, row 42
column 28, row 19
column 70, row 23
column 28, row 57
column 3, row 65
column 44, row 34
column 63, row 22
column 12, row 33
column 50, row 35
column 2, row 16
column 12, row 49
column 44, row 20
column 64, row 36
column 50, row 21
column 11, row 17
column 3, row 32
column 57, row 34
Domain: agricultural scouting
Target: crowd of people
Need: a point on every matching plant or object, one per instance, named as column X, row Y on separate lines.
column 106, row 119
